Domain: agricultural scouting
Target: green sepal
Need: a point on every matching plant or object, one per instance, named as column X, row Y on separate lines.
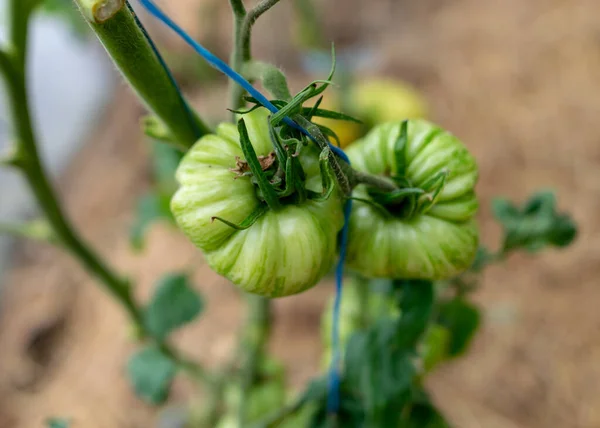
column 267, row 190
column 248, row 221
column 400, row 149
column 327, row 178
column 375, row 205
column 310, row 112
column 309, row 115
column 394, row 197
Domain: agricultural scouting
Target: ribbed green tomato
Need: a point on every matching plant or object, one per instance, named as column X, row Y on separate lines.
column 435, row 242
column 285, row 251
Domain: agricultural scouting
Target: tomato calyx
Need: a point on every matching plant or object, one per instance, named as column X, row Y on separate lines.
column 407, row 201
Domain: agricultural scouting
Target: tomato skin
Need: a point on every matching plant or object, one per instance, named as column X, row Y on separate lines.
column 286, row 251
column 433, row 245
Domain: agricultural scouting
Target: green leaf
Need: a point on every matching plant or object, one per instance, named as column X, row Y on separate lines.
column 434, row 347
column 380, row 372
column 415, row 301
column 425, row 415
column 462, row 319
column 350, row 412
column 272, row 79
column 151, row 373
column 58, row 423
column 165, row 160
column 151, row 208
column 482, row 259
column 174, row 304
column 534, row 226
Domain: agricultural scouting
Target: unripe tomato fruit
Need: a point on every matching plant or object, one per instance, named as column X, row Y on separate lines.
column 435, row 243
column 285, row 251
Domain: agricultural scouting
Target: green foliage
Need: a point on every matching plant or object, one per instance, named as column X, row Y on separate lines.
column 151, row 372
column 535, row 225
column 462, row 319
column 151, row 208
column 423, row 414
column 154, row 206
column 434, row 347
column 174, row 304
column 57, row 423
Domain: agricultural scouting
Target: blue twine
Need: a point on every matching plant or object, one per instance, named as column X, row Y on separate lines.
column 333, row 398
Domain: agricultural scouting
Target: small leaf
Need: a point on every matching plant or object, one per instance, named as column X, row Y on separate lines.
column 462, row 319
column 154, row 128
column 165, row 160
column 379, row 371
column 151, row 208
column 151, row 373
column 272, row 78
column 434, row 348
column 482, row 259
column 536, row 225
column 425, row 415
column 350, row 413
column 173, row 305
column 57, row 423
column 415, row 301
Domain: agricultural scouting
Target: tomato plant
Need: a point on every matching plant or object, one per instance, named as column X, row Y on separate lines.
column 272, row 203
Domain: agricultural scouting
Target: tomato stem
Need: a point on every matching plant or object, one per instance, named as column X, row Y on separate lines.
column 135, row 55
column 254, row 341
column 242, row 33
column 13, row 64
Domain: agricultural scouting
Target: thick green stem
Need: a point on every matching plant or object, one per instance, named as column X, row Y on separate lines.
column 28, row 160
column 136, row 56
column 254, row 341
column 25, row 157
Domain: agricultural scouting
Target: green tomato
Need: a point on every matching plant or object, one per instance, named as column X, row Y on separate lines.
column 436, row 240
column 285, row 251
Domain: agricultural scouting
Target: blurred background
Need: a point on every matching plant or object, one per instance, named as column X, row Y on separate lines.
column 518, row 81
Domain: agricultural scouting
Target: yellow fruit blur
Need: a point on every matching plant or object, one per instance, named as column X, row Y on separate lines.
column 385, row 100
column 373, row 101
column 347, row 132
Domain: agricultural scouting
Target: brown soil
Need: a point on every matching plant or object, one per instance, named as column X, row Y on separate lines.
column 517, row 80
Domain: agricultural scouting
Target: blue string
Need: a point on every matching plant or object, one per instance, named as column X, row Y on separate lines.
column 333, row 398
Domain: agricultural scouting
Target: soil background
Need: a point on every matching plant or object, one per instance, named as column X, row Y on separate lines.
column 517, row 80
